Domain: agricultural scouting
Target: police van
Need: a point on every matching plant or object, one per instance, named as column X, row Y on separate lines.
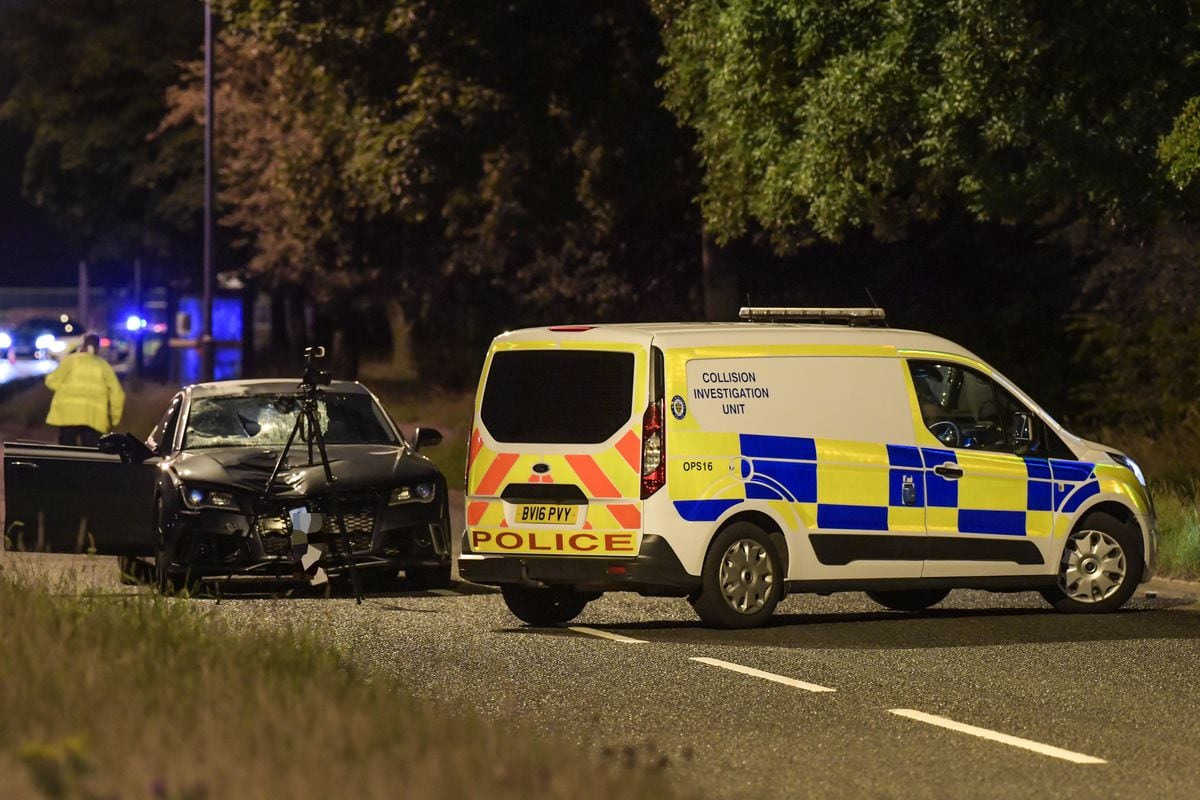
column 803, row 450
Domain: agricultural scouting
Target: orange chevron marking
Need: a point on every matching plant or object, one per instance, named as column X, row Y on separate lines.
column 592, row 476
column 496, row 473
column 630, row 448
column 627, row 516
column 475, row 512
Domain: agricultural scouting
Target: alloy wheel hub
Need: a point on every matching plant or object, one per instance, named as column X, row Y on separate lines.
column 747, row 576
column 1094, row 567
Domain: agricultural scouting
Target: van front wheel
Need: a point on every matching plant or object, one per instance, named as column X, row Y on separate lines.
column 742, row 579
column 1100, row 566
column 544, row 607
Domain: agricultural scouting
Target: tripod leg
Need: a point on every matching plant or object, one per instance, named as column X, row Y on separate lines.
column 314, row 430
column 283, row 454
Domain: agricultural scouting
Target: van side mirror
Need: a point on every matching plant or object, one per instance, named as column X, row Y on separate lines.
column 126, row 446
column 426, row 437
column 1022, row 428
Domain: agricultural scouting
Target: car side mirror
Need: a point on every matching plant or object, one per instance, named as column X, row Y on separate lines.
column 426, row 437
column 126, row 446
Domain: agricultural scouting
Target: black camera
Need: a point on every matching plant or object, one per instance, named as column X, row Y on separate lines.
column 314, row 377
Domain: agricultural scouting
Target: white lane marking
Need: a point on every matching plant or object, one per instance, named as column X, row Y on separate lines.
column 1003, row 738
column 616, row 637
column 758, row 673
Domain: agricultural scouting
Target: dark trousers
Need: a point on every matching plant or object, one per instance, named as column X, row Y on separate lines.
column 78, row 436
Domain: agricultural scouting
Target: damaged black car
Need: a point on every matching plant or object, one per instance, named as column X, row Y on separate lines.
column 190, row 505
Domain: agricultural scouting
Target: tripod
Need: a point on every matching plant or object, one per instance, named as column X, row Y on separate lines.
column 308, row 420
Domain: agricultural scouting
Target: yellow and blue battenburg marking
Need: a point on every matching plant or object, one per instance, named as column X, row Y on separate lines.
column 839, row 485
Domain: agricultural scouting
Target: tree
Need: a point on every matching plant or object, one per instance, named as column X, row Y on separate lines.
column 817, row 117
column 90, row 79
column 495, row 165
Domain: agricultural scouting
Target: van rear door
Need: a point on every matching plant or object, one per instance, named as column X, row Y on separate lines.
column 555, row 457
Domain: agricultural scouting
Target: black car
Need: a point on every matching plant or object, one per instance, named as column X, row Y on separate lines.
column 192, row 498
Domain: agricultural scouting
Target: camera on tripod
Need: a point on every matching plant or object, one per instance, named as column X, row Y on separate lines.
column 314, row 377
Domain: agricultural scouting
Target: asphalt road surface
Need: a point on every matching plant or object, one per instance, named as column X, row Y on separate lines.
column 987, row 695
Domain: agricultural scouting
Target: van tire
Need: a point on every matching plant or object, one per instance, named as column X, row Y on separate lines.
column 909, row 599
column 744, row 559
column 1094, row 546
column 544, row 608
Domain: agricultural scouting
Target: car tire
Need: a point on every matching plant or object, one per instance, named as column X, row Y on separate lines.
column 544, row 608
column 425, row 578
column 742, row 579
column 909, row 599
column 1100, row 567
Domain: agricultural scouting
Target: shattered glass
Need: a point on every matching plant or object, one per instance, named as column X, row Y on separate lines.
column 267, row 420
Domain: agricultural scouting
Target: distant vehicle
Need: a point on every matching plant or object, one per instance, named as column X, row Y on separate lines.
column 183, row 502
column 42, row 337
column 733, row 463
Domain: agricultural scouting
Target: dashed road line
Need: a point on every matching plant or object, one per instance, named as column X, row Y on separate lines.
column 1003, row 738
column 616, row 637
column 767, row 676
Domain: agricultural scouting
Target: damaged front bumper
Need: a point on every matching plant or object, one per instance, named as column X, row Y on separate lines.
column 228, row 545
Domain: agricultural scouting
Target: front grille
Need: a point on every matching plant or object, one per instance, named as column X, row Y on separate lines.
column 360, row 527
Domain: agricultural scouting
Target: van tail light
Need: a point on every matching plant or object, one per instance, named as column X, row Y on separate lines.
column 654, row 449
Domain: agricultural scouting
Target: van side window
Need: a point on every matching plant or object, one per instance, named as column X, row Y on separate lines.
column 959, row 406
column 1028, row 434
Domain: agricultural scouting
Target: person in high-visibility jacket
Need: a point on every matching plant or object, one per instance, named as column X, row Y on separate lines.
column 88, row 399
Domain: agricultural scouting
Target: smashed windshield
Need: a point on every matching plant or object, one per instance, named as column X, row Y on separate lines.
column 266, row 420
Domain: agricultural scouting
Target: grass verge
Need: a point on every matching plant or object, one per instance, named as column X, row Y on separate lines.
column 136, row 696
column 1178, row 510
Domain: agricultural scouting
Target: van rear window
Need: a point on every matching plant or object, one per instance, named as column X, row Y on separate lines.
column 558, row 396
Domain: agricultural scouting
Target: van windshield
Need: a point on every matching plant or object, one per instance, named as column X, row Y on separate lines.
column 558, row 396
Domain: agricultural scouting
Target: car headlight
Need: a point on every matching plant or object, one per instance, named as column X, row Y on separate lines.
column 44, row 341
column 195, row 497
column 421, row 493
column 5, row 340
column 57, row 346
column 1131, row 465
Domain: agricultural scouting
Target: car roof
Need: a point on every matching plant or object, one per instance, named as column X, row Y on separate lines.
column 265, row 386
column 707, row 334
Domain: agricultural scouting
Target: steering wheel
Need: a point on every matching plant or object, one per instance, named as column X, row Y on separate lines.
column 946, row 432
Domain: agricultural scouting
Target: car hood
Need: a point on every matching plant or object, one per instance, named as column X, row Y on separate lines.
column 356, row 467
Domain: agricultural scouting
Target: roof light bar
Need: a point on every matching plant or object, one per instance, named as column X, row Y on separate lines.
column 850, row 316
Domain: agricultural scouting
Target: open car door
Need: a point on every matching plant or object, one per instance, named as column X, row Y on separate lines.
column 77, row 500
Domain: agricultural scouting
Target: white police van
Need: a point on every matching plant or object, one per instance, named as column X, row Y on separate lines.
column 733, row 463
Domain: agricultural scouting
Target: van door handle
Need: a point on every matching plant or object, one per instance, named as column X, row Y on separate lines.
column 23, row 465
column 949, row 470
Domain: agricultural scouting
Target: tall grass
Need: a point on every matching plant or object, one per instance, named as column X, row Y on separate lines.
column 136, row 696
column 1178, row 531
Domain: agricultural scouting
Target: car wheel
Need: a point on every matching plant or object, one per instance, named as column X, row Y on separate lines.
column 909, row 599
column 1100, row 567
column 742, row 580
column 428, row 577
column 544, row 607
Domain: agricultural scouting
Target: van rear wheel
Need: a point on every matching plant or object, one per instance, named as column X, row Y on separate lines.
column 742, row 579
column 909, row 599
column 544, row 607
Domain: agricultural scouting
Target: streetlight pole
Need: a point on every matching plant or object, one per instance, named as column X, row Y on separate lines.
column 207, row 354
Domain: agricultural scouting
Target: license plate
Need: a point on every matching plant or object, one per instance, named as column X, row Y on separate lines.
column 545, row 514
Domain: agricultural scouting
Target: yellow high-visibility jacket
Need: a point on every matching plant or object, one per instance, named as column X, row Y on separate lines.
column 86, row 392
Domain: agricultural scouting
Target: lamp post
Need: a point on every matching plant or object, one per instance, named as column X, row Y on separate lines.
column 207, row 354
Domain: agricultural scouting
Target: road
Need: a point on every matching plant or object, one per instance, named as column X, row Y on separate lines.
column 1120, row 689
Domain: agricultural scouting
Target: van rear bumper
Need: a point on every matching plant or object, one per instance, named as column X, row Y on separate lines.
column 656, row 570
